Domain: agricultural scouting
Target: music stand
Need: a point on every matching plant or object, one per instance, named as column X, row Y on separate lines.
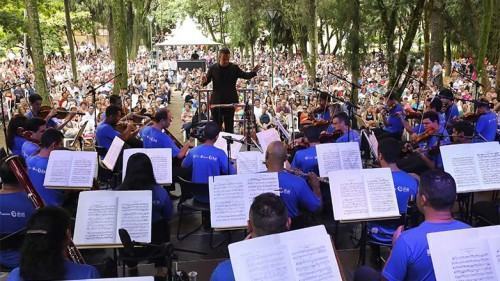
column 79, row 137
column 208, row 102
column 246, row 118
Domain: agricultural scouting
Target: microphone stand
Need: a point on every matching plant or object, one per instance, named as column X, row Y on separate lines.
column 94, row 99
column 476, row 85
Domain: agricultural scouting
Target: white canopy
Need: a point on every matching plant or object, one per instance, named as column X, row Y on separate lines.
column 187, row 33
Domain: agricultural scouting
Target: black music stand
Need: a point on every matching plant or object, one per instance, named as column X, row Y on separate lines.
column 246, row 118
column 208, row 103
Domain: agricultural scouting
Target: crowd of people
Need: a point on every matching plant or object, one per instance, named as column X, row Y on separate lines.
column 238, row 97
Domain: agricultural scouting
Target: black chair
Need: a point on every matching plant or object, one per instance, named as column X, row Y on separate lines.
column 487, row 213
column 111, row 178
column 190, row 190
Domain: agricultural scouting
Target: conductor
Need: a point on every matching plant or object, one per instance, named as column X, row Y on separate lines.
column 224, row 76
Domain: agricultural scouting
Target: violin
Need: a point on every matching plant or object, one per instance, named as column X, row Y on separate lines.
column 471, row 116
column 424, row 136
column 325, row 137
column 61, row 113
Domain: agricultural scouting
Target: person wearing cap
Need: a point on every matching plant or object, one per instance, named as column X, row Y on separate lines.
column 486, row 126
column 451, row 112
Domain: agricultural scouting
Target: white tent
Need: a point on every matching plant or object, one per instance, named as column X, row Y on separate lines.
column 187, row 33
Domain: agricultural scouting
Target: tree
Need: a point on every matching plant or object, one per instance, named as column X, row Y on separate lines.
column 483, row 40
column 437, row 34
column 69, row 35
column 119, row 45
column 33, row 24
column 354, row 43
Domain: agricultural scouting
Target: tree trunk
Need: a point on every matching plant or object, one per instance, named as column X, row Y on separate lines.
column 37, row 54
column 426, row 29
column 252, row 53
column 69, row 36
column 111, row 36
column 119, row 43
column 448, row 54
column 484, row 36
column 94, row 36
column 136, row 37
column 498, row 78
column 389, row 19
column 328, row 45
column 437, row 35
column 130, row 26
column 355, row 42
column 313, row 39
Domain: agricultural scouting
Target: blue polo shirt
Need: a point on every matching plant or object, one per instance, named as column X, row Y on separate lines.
column 37, row 166
column 154, row 138
column 394, row 123
column 207, row 161
column 296, row 193
column 352, row 136
column 410, row 257
column 486, row 126
column 28, row 149
column 15, row 210
column 73, row 272
column 105, row 134
column 162, row 205
column 17, row 145
column 223, row 272
column 306, row 160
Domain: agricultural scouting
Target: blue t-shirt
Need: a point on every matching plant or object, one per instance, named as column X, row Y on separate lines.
column 207, row 161
column 17, row 145
column 154, row 138
column 394, row 123
column 296, row 192
column 486, row 126
column 162, row 205
column 36, row 172
column 406, row 186
column 353, row 136
column 28, row 149
column 73, row 272
column 410, row 258
column 451, row 113
column 306, row 160
column 15, row 210
column 105, row 134
column 223, row 272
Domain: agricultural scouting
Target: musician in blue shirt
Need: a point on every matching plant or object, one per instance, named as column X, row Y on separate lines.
column 206, row 160
column 410, row 259
column 393, row 126
column 322, row 112
column 35, row 101
column 341, row 123
column 268, row 215
column 106, row 132
column 294, row 190
column 35, row 127
column 306, row 159
column 37, row 165
column 486, row 126
column 42, row 254
column 451, row 112
column 15, row 210
column 15, row 140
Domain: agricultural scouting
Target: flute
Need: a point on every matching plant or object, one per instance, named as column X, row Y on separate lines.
column 302, row 174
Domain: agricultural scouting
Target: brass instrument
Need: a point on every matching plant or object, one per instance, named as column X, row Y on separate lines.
column 22, row 176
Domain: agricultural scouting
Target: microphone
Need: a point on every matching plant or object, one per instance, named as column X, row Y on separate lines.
column 231, row 139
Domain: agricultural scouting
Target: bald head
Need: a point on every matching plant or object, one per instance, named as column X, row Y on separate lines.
column 276, row 153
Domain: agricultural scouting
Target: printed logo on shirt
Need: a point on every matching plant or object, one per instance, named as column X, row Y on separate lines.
column 285, row 191
column 310, row 158
column 208, row 157
column 402, row 188
column 15, row 214
column 151, row 139
column 38, row 170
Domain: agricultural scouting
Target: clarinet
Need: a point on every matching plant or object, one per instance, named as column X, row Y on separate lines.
column 21, row 175
column 302, row 174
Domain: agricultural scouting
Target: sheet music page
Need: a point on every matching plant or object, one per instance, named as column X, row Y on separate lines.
column 161, row 158
column 96, row 218
column 305, row 254
column 58, row 168
column 372, row 139
column 349, row 195
column 467, row 254
column 381, row 192
column 266, row 137
column 488, row 156
column 350, row 156
column 83, row 168
column 231, row 196
column 113, row 153
column 142, row 278
column 328, row 158
column 235, row 146
column 250, row 162
column 135, row 209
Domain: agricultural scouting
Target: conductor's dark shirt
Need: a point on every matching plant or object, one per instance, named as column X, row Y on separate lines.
column 224, row 82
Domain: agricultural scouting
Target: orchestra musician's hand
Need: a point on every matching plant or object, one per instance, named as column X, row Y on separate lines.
column 313, row 181
column 51, row 114
column 397, row 233
column 203, row 79
column 257, row 68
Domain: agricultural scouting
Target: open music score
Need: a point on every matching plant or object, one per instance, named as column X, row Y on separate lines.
column 113, row 153
column 231, row 197
column 71, row 170
column 161, row 158
column 221, row 143
column 474, row 166
column 266, row 137
column 466, row 254
column 101, row 213
column 250, row 162
column 338, row 156
column 304, row 254
column 364, row 194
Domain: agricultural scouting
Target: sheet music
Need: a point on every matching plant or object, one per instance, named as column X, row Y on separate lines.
column 161, row 158
column 71, row 169
column 266, row 137
column 338, row 156
column 101, row 213
column 474, row 166
column 467, row 254
column 142, row 278
column 363, row 194
column 113, row 153
column 221, row 143
column 250, row 162
column 231, row 196
column 305, row 254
